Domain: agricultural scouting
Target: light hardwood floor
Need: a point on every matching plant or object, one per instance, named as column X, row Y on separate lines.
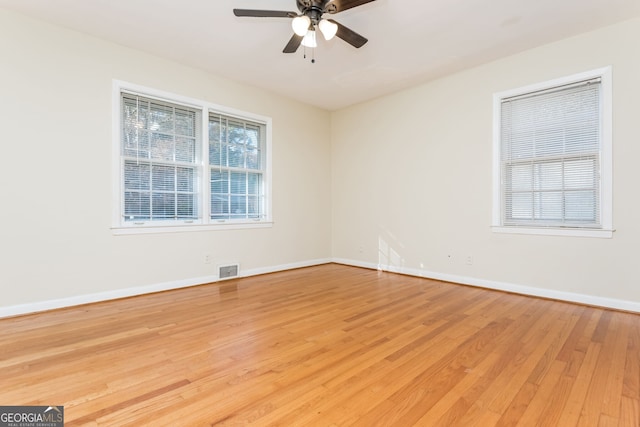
column 327, row 346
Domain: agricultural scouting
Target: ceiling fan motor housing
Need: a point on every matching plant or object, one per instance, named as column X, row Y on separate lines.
column 315, row 8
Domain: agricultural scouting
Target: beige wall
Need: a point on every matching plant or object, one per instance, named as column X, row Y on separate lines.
column 56, row 174
column 412, row 187
column 402, row 182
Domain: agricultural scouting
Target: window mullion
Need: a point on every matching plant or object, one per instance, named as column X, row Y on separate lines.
column 204, row 183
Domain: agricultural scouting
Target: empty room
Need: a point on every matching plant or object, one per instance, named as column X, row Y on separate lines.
column 320, row 213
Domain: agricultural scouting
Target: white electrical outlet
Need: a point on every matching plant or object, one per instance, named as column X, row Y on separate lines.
column 208, row 258
column 469, row 260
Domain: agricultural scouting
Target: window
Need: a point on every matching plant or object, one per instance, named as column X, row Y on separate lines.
column 177, row 174
column 160, row 158
column 552, row 157
column 235, row 159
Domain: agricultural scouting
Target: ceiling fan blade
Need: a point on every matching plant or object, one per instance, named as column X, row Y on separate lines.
column 264, row 13
column 293, row 44
column 350, row 36
column 336, row 6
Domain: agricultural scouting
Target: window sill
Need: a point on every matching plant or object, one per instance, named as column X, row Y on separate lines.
column 157, row 229
column 573, row 232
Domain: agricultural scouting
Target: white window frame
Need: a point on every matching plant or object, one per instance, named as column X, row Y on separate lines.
column 606, row 162
column 204, row 222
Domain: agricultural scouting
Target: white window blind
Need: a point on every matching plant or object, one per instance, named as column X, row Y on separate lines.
column 550, row 157
column 160, row 156
column 236, row 150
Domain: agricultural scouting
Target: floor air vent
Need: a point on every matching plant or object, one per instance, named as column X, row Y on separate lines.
column 228, row 271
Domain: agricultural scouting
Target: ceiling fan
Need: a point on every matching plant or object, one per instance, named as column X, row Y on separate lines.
column 310, row 17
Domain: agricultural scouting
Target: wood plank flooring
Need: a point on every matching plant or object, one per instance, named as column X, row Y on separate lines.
column 329, row 345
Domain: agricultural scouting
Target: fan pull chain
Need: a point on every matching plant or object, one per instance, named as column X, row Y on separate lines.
column 313, row 54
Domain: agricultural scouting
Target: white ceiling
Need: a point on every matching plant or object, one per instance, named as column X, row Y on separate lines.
column 410, row 41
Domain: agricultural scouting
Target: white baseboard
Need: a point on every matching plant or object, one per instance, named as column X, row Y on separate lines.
column 283, row 267
column 590, row 300
column 39, row 306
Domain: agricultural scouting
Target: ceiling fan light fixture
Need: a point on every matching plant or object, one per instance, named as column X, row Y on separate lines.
column 328, row 29
column 300, row 25
column 309, row 39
